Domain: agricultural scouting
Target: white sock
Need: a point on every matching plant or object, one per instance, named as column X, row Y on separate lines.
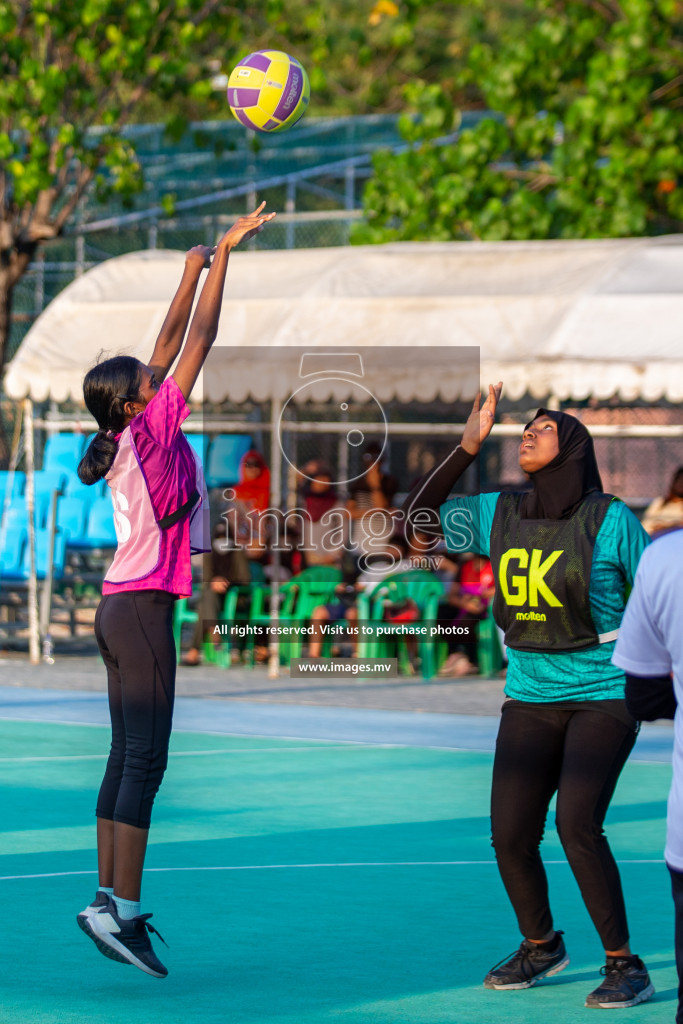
column 126, row 909
column 109, row 890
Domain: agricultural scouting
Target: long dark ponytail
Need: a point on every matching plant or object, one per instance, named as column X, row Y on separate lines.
column 106, row 389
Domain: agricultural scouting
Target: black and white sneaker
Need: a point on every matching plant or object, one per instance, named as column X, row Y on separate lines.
column 84, row 919
column 528, row 965
column 127, row 940
column 626, row 983
column 101, row 900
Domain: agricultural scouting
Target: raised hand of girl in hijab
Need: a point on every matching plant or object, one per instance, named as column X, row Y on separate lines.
column 480, row 421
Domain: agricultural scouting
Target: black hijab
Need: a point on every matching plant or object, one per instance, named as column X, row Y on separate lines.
column 560, row 487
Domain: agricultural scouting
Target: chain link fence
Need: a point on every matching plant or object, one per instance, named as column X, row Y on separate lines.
column 61, row 262
column 196, row 186
column 314, row 178
column 638, row 448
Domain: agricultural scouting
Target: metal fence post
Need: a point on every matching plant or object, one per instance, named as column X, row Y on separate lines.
column 350, row 187
column 80, row 255
column 275, row 503
column 290, row 207
column 33, row 625
column 39, row 288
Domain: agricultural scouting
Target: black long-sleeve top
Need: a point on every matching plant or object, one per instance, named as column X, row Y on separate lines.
column 650, row 697
column 432, row 490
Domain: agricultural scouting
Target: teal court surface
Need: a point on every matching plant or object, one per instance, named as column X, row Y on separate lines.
column 306, row 865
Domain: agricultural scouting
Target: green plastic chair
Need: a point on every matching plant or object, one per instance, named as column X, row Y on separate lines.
column 221, row 653
column 418, row 585
column 182, row 613
column 489, row 650
column 298, row 597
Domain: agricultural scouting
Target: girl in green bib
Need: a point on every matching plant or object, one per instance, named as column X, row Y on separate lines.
column 564, row 556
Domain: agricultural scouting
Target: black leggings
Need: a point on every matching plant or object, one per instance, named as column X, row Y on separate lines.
column 134, row 631
column 578, row 754
column 677, row 893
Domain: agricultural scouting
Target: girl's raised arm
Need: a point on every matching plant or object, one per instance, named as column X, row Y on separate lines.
column 174, row 326
column 204, row 326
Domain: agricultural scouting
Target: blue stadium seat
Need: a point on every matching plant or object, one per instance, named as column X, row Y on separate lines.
column 48, row 480
column 18, row 483
column 63, row 451
column 223, row 465
column 100, row 532
column 45, row 483
column 43, row 501
column 73, row 488
column 14, row 541
column 72, row 518
column 200, row 443
column 15, row 514
column 42, row 548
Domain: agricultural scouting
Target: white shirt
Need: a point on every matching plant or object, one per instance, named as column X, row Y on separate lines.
column 651, row 644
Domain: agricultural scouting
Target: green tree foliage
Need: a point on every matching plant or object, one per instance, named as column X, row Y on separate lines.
column 72, row 74
column 585, row 141
column 360, row 55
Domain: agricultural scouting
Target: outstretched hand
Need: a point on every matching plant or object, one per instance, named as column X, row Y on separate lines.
column 199, row 256
column 480, row 420
column 246, row 227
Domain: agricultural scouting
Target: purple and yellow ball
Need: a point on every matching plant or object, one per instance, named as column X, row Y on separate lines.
column 268, row 91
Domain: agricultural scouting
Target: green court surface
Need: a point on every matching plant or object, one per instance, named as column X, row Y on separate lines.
column 302, row 882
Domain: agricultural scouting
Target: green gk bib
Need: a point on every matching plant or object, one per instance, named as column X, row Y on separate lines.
column 543, row 570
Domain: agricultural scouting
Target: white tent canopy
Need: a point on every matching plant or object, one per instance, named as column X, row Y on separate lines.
column 571, row 319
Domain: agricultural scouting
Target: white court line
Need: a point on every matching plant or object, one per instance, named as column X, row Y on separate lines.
column 324, row 741
column 288, row 867
column 176, row 753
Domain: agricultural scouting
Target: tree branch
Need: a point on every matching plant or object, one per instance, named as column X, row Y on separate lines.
column 542, row 181
column 86, row 121
column 24, row 218
column 668, row 87
column 611, row 12
column 24, row 9
column 20, row 260
column 535, row 179
column 62, row 217
column 52, row 157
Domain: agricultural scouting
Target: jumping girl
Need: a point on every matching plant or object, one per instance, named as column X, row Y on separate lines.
column 160, row 506
column 563, row 556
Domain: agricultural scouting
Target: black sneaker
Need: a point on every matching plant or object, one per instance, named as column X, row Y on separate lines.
column 626, row 983
column 127, row 940
column 527, row 966
column 84, row 919
column 101, row 900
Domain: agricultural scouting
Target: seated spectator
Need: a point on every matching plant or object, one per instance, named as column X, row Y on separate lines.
column 319, row 500
column 253, row 489
column 469, row 597
column 380, row 565
column 224, row 566
column 250, row 499
column 665, row 514
column 445, row 565
column 375, row 488
column 373, row 492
